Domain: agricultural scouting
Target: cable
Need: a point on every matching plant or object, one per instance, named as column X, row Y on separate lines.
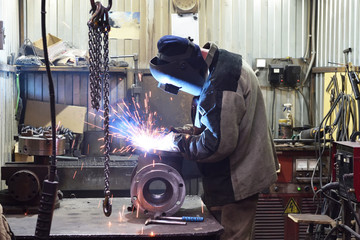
column 305, row 100
column 272, row 114
column 18, row 92
column 47, row 200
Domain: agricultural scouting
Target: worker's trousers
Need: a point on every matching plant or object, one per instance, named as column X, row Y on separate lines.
column 238, row 219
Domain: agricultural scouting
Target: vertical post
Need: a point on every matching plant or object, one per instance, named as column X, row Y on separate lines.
column 2, row 35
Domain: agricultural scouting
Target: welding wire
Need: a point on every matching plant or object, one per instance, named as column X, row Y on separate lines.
column 74, row 174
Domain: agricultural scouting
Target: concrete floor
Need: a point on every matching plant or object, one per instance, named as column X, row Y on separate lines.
column 83, row 218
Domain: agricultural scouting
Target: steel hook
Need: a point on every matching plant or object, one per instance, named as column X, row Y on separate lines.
column 95, row 16
column 93, row 6
column 107, row 207
column 109, row 5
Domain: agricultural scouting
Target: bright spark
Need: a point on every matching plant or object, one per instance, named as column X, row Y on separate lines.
column 137, row 211
column 139, row 128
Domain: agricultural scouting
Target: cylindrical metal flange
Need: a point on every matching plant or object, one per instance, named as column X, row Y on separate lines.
column 157, row 188
column 24, row 185
column 40, row 146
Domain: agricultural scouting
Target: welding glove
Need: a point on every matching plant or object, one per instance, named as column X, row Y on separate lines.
column 187, row 129
column 5, row 231
column 180, row 141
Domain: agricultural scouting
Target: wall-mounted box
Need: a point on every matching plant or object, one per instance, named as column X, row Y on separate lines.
column 292, row 75
column 276, row 74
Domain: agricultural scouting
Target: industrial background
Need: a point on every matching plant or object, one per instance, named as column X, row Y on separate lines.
column 308, row 33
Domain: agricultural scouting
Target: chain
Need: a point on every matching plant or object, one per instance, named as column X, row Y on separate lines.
column 99, row 83
column 94, row 68
column 106, row 87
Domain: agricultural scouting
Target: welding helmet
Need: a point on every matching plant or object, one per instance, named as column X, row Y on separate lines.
column 179, row 65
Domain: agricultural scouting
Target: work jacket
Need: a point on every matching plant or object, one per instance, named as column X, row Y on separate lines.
column 235, row 152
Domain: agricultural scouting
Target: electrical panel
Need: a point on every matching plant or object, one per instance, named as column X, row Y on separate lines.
column 276, row 74
column 284, row 75
column 292, row 75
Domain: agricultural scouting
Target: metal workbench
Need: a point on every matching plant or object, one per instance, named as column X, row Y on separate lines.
column 82, row 218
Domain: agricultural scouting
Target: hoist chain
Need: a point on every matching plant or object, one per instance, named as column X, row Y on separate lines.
column 106, row 89
column 95, row 66
column 99, row 83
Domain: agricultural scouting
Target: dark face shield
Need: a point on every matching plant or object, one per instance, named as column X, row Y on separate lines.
column 178, row 75
column 175, row 73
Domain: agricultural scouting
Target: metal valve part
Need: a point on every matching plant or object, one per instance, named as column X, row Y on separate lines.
column 40, row 145
column 157, row 188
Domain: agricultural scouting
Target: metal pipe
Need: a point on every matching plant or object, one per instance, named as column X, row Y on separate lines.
column 313, row 51
column 135, row 57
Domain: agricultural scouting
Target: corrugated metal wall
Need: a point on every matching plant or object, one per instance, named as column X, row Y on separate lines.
column 8, row 125
column 261, row 29
column 338, row 25
column 72, row 88
column 8, row 14
column 252, row 28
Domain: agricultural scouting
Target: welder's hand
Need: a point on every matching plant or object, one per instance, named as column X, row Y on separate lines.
column 177, row 140
column 186, row 129
column 180, row 140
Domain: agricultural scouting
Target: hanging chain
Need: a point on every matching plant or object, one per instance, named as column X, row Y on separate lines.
column 106, row 87
column 94, row 68
column 99, row 82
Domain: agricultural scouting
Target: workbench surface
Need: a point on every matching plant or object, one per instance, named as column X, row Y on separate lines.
column 83, row 218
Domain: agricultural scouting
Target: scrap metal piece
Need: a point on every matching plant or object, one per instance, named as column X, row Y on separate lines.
column 158, row 221
column 183, row 218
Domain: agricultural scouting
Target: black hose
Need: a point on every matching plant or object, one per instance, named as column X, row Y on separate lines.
column 48, row 194
column 350, row 230
column 51, row 93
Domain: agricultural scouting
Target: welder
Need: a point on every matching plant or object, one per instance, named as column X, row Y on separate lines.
column 234, row 149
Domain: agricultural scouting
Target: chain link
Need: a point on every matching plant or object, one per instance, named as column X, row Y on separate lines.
column 99, row 85
column 106, row 89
